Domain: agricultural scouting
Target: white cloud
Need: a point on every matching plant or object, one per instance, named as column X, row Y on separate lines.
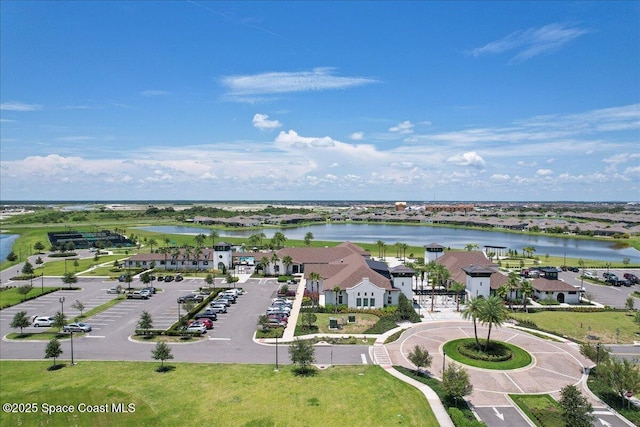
column 500, row 177
column 261, row 122
column 532, row 42
column 621, row 158
column 76, row 138
column 19, row 106
column 403, row 128
column 467, row 159
column 357, row 136
column 150, row 93
column 252, row 88
column 529, row 164
column 544, row 172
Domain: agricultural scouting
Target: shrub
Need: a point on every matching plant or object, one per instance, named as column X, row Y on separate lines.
column 495, row 353
column 460, row 420
column 384, row 324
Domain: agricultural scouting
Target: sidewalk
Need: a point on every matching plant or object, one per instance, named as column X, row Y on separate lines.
column 290, row 330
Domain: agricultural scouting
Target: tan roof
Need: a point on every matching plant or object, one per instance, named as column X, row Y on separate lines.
column 456, row 261
column 546, row 285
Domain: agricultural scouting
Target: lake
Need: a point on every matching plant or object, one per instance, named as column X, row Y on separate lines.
column 6, row 243
column 423, row 235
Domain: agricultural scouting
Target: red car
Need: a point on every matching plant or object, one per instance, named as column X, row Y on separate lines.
column 204, row 321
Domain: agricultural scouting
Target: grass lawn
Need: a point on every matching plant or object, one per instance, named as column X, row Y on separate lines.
column 520, row 357
column 363, row 322
column 55, row 266
column 542, row 409
column 211, row 394
column 11, row 296
column 578, row 325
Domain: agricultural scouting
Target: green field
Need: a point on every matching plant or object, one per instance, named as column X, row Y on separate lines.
column 211, row 394
column 542, row 409
column 9, row 297
column 576, row 325
column 521, row 358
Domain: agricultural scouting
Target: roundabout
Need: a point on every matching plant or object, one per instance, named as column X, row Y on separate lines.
column 552, row 365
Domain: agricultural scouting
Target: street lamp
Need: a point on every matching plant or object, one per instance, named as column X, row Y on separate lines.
column 42, row 283
column 72, row 348
column 276, row 354
column 444, row 360
column 597, row 354
column 61, row 300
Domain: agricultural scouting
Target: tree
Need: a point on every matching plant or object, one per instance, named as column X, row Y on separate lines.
column 458, row 287
column 405, row 310
column 59, row 321
column 380, row 245
column 145, row 323
column 38, row 246
column 493, row 312
column 629, row 303
column 314, row 278
column 39, row 261
column 27, row 269
column 621, row 375
column 576, row 410
column 308, row 319
column 209, row 280
column 263, row 321
column 254, row 240
column 12, row 256
column 420, row 357
column 308, row 238
column 78, row 305
column 24, row 290
column 287, row 261
column 145, row 277
column 274, row 261
column 336, row 292
column 278, row 239
column 471, row 246
column 200, row 238
column 527, row 291
column 53, row 350
column 20, row 320
column 69, row 279
column 472, row 311
column 455, row 381
column 161, row 352
column 302, row 353
column 213, row 235
column 264, row 262
column 152, row 242
column 595, row 353
column 404, row 248
column 128, row 278
column 513, row 283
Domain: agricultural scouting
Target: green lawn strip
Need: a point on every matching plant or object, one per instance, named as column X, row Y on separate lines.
column 363, row 322
column 45, row 335
column 9, row 297
column 520, row 358
column 611, row 398
column 542, row 409
column 577, row 325
column 212, row 394
column 56, row 267
column 436, row 386
column 99, row 309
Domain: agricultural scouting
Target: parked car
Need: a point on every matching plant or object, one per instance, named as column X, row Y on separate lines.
column 203, row 321
column 631, row 278
column 223, row 301
column 608, row 275
column 114, row 291
column 160, row 278
column 77, row 327
column 235, row 292
column 591, row 275
column 218, row 307
column 574, row 269
column 122, row 278
column 150, row 289
column 179, row 278
column 137, row 295
column 274, row 323
column 207, row 314
column 280, row 317
column 145, row 292
column 197, row 327
column 43, row 321
column 191, row 297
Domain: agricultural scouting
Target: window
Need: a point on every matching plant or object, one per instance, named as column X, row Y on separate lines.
column 144, row 262
column 173, row 263
column 358, row 293
column 366, row 302
column 161, row 262
column 358, row 302
column 206, row 262
column 194, row 262
column 372, row 302
column 340, row 299
column 389, row 300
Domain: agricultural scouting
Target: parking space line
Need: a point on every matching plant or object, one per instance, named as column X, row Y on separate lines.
column 364, row 358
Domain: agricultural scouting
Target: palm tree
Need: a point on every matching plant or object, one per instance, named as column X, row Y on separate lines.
column 197, row 254
column 199, row 238
column 261, row 235
column 274, row 261
column 314, row 277
column 471, row 246
column 264, row 261
column 404, row 248
column 380, row 245
column 278, row 239
column 526, row 289
column 512, row 285
column 472, row 311
column 164, row 251
column 336, row 291
column 493, row 312
column 458, row 287
column 167, row 241
column 254, row 240
column 213, row 235
column 151, row 242
column 397, row 245
column 430, row 269
column 287, row 261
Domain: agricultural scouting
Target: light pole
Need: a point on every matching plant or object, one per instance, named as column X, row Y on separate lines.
column 178, row 311
column 61, row 300
column 597, row 354
column 71, row 348
column 276, row 354
column 444, row 360
column 42, row 283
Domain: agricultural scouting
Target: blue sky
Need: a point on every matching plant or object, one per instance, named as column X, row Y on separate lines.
column 320, row 100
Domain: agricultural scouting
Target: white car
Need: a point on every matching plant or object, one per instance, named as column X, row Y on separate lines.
column 197, row 327
column 43, row 321
column 591, row 275
column 113, row 291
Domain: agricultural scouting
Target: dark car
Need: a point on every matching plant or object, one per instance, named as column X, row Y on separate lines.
column 207, row 314
column 160, row 279
column 574, row 269
column 610, row 276
column 631, row 278
column 191, row 297
column 168, row 278
column 179, row 278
